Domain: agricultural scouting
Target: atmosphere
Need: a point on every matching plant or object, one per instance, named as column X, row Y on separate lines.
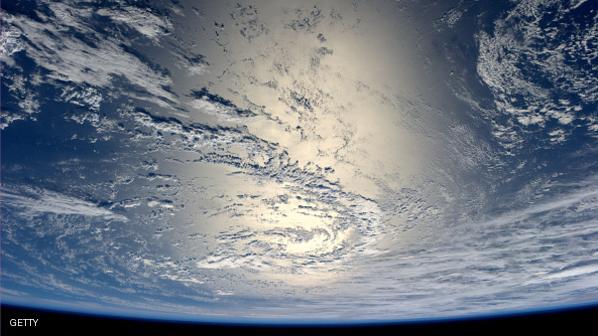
column 327, row 161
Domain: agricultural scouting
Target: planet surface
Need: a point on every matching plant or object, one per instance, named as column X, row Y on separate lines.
column 299, row 160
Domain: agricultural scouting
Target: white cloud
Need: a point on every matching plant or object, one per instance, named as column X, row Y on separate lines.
column 93, row 63
column 573, row 271
column 143, row 21
column 530, row 67
column 32, row 202
column 10, row 41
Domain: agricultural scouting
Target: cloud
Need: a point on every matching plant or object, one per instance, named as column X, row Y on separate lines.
column 32, row 202
column 532, row 67
column 10, row 41
column 315, row 222
column 65, row 42
column 143, row 21
column 573, row 271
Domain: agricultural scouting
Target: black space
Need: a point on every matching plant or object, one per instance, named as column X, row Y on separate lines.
column 578, row 321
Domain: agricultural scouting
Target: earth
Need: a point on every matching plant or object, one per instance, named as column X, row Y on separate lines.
column 299, row 160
